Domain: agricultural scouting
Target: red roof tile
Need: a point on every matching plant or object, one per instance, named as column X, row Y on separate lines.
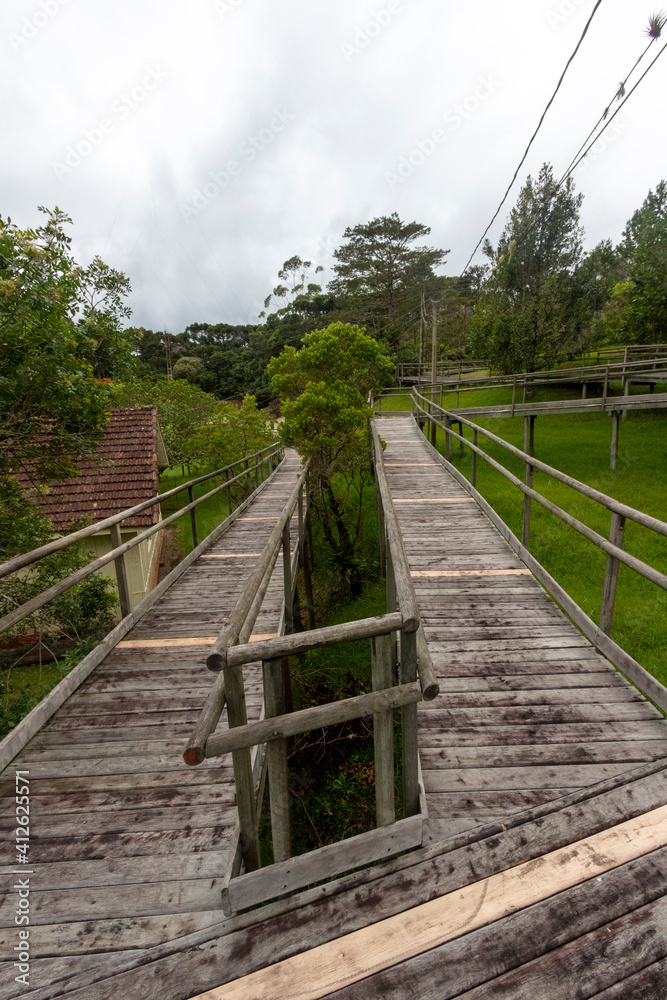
column 124, row 474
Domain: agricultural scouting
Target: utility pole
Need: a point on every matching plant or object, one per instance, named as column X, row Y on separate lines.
column 167, row 353
column 421, row 332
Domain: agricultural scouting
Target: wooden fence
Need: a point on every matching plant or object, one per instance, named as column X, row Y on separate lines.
column 426, row 410
column 402, row 675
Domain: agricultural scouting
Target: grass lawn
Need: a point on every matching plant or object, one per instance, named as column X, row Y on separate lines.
column 578, row 444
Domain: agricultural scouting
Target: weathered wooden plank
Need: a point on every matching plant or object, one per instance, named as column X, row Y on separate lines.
column 440, row 718
column 593, row 962
column 397, row 938
column 524, row 776
column 90, row 847
column 467, row 962
column 154, row 897
column 517, row 735
column 541, row 696
column 648, row 984
column 630, row 751
column 286, row 876
column 477, row 806
column 530, row 682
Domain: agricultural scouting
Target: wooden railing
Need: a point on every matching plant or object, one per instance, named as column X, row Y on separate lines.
column 263, row 461
column 394, row 686
column 426, row 409
column 259, row 466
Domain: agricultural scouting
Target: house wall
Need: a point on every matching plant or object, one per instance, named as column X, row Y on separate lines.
column 140, row 562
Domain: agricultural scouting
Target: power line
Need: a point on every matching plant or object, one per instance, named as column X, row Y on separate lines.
column 574, row 165
column 532, row 139
column 655, row 31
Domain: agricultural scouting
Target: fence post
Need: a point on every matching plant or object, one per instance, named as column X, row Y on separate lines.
column 528, row 446
column 611, row 574
column 606, row 386
column 383, row 733
column 276, row 756
column 448, row 439
column 247, row 477
column 434, row 429
column 243, row 777
column 193, row 517
column 614, row 439
column 461, row 445
column 391, row 599
column 121, row 575
column 229, row 495
column 409, row 727
column 287, row 580
column 473, row 472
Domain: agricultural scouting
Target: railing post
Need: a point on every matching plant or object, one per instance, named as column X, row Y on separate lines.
column 606, row 386
column 382, row 533
column 121, row 575
column 409, row 727
column 461, row 445
column 243, row 776
column 193, row 517
column 614, row 439
column 448, row 439
column 434, row 429
column 276, row 756
column 473, row 471
column 528, row 446
column 383, row 733
column 287, row 580
column 390, row 582
column 229, row 495
column 611, row 574
column 248, row 487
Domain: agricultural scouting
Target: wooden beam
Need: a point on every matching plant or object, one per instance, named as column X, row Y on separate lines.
column 313, row 718
column 314, row 974
column 471, row 572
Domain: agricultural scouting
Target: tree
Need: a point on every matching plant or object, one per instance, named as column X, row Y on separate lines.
column 324, row 387
column 182, row 409
column 113, row 350
column 232, row 433
column 534, row 308
column 380, row 274
column 52, row 405
column 637, row 312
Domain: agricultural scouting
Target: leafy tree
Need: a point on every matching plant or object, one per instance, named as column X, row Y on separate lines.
column 534, row 308
column 380, row 274
column 182, row 409
column 52, row 406
column 637, row 311
column 232, row 433
column 324, row 387
column 113, row 350
column 85, row 609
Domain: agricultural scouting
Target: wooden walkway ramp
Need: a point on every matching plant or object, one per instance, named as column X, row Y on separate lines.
column 528, row 709
column 130, row 847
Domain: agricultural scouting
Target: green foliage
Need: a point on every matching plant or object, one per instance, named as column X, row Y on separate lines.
column 47, row 381
column 535, row 307
column 324, row 388
column 380, row 274
column 637, row 312
column 232, row 433
column 86, row 608
column 182, row 409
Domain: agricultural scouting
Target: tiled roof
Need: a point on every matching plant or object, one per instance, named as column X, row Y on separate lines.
column 124, row 474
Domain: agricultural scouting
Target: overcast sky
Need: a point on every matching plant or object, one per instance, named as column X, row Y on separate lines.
column 197, row 146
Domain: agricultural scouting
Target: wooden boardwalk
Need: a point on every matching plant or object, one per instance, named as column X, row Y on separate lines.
column 528, row 709
column 129, row 847
column 543, row 875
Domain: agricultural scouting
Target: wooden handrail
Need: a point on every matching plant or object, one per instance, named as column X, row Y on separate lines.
column 282, row 726
column 59, row 588
column 27, row 558
column 646, row 520
column 229, row 634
